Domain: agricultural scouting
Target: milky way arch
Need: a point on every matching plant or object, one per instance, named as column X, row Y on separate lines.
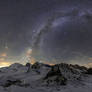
column 66, row 37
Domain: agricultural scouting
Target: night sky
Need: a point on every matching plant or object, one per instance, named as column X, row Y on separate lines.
column 56, row 30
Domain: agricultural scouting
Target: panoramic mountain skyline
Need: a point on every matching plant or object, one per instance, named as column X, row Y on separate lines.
column 56, row 31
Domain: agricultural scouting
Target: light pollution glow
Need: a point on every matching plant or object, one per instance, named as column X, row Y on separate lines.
column 3, row 55
column 4, row 62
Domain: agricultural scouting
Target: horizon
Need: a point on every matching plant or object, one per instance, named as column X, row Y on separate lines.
column 49, row 31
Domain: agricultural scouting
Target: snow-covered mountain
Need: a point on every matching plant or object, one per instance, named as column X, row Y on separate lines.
column 45, row 78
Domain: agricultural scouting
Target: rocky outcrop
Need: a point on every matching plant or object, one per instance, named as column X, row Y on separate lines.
column 28, row 65
column 36, row 65
column 89, row 71
column 55, row 76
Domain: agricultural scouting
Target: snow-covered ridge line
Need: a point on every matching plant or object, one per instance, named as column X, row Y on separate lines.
column 39, row 76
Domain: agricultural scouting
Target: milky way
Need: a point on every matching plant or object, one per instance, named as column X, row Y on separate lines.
column 56, row 30
column 67, row 38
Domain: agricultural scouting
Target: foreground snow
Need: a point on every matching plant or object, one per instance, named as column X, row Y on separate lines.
column 32, row 81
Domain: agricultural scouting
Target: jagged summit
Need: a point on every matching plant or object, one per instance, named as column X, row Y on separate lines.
column 16, row 65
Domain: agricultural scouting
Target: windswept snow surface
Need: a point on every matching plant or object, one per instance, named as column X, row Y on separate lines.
column 15, row 78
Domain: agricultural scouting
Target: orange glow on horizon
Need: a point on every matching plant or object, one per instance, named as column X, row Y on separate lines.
column 32, row 60
column 5, row 63
column 88, row 65
column 48, row 63
column 3, row 55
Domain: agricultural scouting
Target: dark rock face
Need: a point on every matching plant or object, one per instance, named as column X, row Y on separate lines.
column 54, row 75
column 36, row 65
column 28, row 66
column 61, row 73
column 54, row 71
column 72, row 72
column 82, row 68
column 89, row 71
column 11, row 82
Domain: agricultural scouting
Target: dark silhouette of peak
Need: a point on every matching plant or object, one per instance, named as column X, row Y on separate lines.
column 89, row 71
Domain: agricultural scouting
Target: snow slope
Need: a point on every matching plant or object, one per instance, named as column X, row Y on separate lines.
column 15, row 78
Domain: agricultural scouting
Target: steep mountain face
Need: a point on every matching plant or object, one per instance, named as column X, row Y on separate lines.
column 72, row 72
column 55, row 76
column 38, row 77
